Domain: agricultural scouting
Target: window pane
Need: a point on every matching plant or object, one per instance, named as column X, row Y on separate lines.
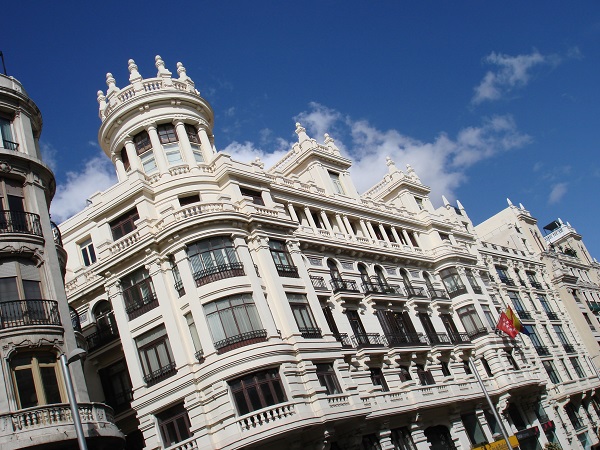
column 50, row 384
column 26, row 388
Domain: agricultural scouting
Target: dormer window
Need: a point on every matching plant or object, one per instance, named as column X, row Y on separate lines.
column 337, row 183
column 143, row 148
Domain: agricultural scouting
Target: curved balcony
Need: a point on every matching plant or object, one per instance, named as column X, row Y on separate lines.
column 22, row 313
column 160, row 374
column 220, row 272
column 288, row 271
column 20, row 222
column 241, row 340
column 56, row 234
column 101, row 337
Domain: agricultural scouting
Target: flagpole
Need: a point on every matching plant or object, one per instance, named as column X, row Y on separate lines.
column 492, row 407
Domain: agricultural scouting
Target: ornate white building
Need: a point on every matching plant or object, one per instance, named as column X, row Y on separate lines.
column 227, row 305
column 36, row 324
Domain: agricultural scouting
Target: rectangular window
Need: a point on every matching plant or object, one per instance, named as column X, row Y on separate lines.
column 473, row 429
column 138, row 292
column 174, row 425
column 405, row 373
column 283, row 260
column 143, row 148
column 170, row 143
column 425, row 376
column 489, row 317
column 551, row 370
column 87, row 252
column 117, row 386
column 6, row 137
column 257, row 390
column 419, row 201
column 503, row 276
column 36, row 380
column 578, row 369
column 378, row 379
column 234, row 322
column 256, row 196
column 189, row 200
column 452, row 282
column 472, row 281
column 303, row 316
column 471, row 321
column 155, row 355
column 192, row 134
column 402, row 439
column 178, row 282
column 328, row 379
column 337, row 183
column 124, row 224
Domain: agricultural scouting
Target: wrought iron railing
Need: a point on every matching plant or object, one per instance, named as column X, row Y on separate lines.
column 367, row 340
column 56, row 234
column 536, row 284
column 136, row 307
column 460, row 338
column 406, row 340
column 438, row 339
column 179, row 288
column 437, row 294
column 161, row 374
column 415, row 291
column 240, row 340
column 101, row 337
column 284, row 270
column 506, row 280
column 344, row 339
column 220, row 272
column 474, row 334
column 199, row 355
column 20, row 222
column 525, row 315
column 381, row 288
column 477, row 289
column 569, row 348
column 10, row 145
column 542, row 350
column 318, row 282
column 21, row 313
column 552, row 315
column 311, row 333
column 458, row 290
column 75, row 319
column 340, row 285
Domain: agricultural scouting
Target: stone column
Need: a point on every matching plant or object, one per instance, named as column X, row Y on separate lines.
column 364, row 229
column 383, row 233
column 340, row 224
column 134, row 160
column 310, row 218
column 349, row 229
column 395, row 234
column 205, row 144
column 371, row 230
column 121, row 172
column 157, row 148
column 325, row 220
column 406, row 237
column 292, row 212
column 184, row 144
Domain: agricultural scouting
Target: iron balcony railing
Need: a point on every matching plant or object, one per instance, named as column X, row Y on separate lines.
column 415, row 291
column 75, row 319
column 379, row 288
column 542, row 350
column 20, row 222
column 506, row 280
column 10, row 145
column 344, row 339
column 135, row 307
column 477, row 289
column 241, row 340
column 367, row 340
column 318, row 282
column 536, row 284
column 438, row 339
column 161, row 374
column 340, row 285
column 56, row 234
column 311, row 332
column 456, row 291
column 552, row 315
column 101, row 337
column 284, row 270
column 569, row 348
column 525, row 315
column 199, row 355
column 460, row 338
column 120, row 402
column 474, row 334
column 220, row 272
column 21, row 313
column 406, row 340
column 438, row 294
column 179, row 288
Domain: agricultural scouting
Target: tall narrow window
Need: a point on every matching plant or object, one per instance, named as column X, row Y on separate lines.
column 425, row 376
column 214, row 259
column 551, row 370
column 378, row 379
column 327, row 378
column 337, row 183
column 125, row 159
column 13, row 218
column 195, row 337
column 174, row 425
column 35, row 377
column 192, row 134
column 419, row 202
column 6, row 137
column 234, row 322
column 282, row 259
column 472, row 281
column 155, row 355
column 143, row 148
column 88, row 254
column 117, row 386
column 124, row 224
column 453, row 282
column 176, row 277
column 138, row 292
column 170, row 143
column 303, row 316
column 473, row 428
column 257, row 390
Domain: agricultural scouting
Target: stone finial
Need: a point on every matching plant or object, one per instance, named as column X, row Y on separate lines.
column 391, row 165
column 411, row 173
column 521, row 206
column 459, row 205
column 445, row 201
column 101, row 101
column 560, row 221
column 160, row 65
column 330, row 143
column 134, row 75
column 509, row 202
column 112, row 84
column 181, row 71
column 258, row 163
column 568, row 224
column 301, row 132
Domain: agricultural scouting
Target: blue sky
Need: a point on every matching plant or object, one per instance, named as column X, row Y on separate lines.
column 486, row 100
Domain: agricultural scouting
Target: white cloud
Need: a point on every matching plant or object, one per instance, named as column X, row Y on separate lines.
column 319, row 119
column 247, row 152
column 511, row 72
column 557, row 193
column 49, row 154
column 97, row 174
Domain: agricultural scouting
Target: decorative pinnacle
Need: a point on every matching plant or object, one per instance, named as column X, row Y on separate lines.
column 445, row 201
column 391, row 165
column 181, row 70
column 133, row 70
column 160, row 65
column 509, row 202
column 300, row 128
column 100, row 97
column 110, row 81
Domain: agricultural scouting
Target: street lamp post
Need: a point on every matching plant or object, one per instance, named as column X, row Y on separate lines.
column 75, row 355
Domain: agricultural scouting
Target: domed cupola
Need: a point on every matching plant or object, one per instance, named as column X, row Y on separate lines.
column 155, row 126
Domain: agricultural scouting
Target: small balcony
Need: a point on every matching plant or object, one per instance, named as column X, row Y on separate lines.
column 343, row 339
column 318, row 283
column 136, row 307
column 340, row 285
column 458, row 290
column 10, row 145
column 415, row 292
column 241, row 340
column 219, row 272
column 569, row 348
column 381, row 288
column 22, row 313
column 367, row 340
column 506, row 280
column 20, row 222
column 161, row 374
column 542, row 350
column 524, row 315
column 477, row 333
column 101, row 337
column 438, row 294
column 460, row 338
column 285, row 270
column 406, row 340
column 199, row 355
column 438, row 339
column 552, row 315
column 536, row 284
column 311, row 333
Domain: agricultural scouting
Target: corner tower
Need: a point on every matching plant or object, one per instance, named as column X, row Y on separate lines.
column 134, row 133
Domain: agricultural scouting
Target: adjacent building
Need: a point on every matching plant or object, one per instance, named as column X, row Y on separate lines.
column 228, row 305
column 36, row 323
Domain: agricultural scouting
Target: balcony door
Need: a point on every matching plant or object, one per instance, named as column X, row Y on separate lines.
column 357, row 327
column 12, row 204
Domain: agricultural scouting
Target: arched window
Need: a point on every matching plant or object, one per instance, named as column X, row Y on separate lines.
column 428, row 282
column 103, row 313
column 364, row 275
column 36, row 379
column 333, row 270
column 383, row 284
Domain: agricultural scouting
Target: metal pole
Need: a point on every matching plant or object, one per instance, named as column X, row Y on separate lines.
column 73, row 402
column 489, row 400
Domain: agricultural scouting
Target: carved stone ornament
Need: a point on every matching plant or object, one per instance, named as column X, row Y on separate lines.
column 5, row 167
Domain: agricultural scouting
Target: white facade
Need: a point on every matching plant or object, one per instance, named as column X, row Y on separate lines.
column 230, row 306
column 35, row 318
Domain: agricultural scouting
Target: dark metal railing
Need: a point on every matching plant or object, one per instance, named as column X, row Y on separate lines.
column 56, row 234
column 338, row 285
column 380, row 288
column 458, row 290
column 241, row 340
column 220, row 272
column 542, row 350
column 438, row 339
column 161, row 374
column 311, row 333
column 506, row 280
column 288, row 271
column 438, row 294
column 406, row 340
column 179, row 288
column 474, row 334
column 120, row 402
column 569, row 348
column 367, row 340
column 75, row 319
column 20, row 222
column 525, row 315
column 199, row 355
column 477, row 289
column 21, row 313
column 552, row 315
column 344, row 339
column 137, row 307
column 10, row 145
column 536, row 284
column 460, row 338
column 101, row 337
column 415, row 291
column 318, row 282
